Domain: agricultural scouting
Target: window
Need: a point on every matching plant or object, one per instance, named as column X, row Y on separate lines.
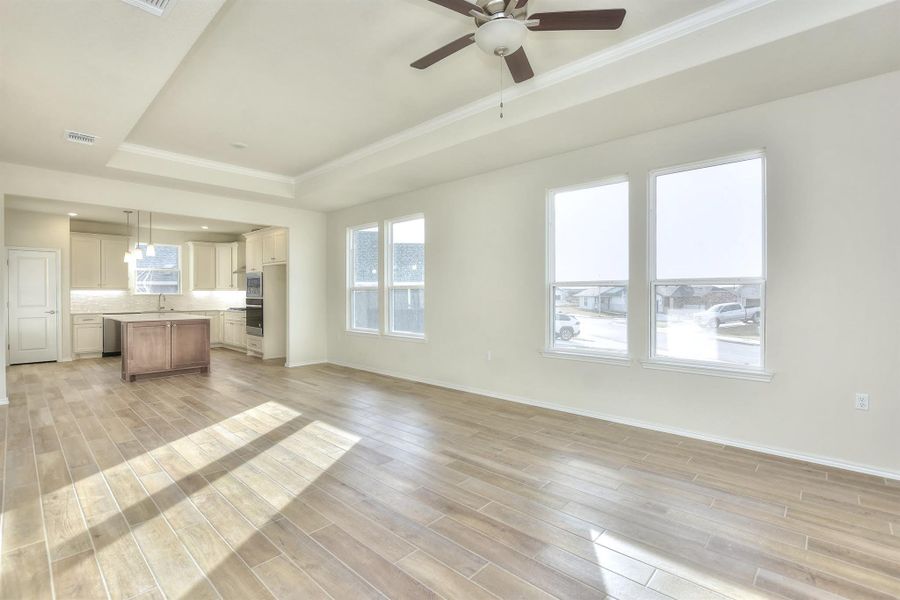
column 708, row 263
column 588, row 242
column 362, row 278
column 160, row 274
column 406, row 277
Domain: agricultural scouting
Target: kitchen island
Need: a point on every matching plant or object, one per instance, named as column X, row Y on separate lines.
column 163, row 344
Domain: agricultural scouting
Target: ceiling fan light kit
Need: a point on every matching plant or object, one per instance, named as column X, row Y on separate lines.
column 501, row 37
column 501, row 27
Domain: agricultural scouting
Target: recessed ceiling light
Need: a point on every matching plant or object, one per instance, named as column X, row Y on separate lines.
column 204, row 227
column 238, row 145
column 72, row 214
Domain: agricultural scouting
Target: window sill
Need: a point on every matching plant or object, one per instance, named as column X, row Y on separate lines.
column 708, row 369
column 406, row 337
column 619, row 360
column 362, row 333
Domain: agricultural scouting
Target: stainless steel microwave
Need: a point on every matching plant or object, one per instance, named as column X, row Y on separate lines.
column 254, row 284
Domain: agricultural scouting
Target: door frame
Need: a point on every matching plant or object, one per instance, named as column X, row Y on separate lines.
column 59, row 321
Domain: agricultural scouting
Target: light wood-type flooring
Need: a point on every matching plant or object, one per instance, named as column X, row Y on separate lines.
column 324, row 482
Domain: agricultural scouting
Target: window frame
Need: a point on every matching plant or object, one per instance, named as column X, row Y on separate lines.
column 180, row 270
column 757, row 373
column 388, row 278
column 352, row 286
column 550, row 350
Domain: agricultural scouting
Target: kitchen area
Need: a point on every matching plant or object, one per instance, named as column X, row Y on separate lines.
column 81, row 276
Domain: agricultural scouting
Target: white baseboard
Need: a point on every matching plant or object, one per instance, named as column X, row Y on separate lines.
column 4, row 401
column 291, row 365
column 810, row 458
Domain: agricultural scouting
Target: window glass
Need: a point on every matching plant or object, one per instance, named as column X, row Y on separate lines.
column 408, row 251
column 591, row 233
column 709, row 222
column 159, row 274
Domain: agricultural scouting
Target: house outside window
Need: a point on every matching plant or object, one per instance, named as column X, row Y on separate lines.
column 160, row 274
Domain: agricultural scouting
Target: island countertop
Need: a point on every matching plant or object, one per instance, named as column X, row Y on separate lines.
column 144, row 317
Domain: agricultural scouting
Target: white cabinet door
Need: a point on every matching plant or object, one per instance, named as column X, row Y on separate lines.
column 113, row 268
column 274, row 246
column 87, row 339
column 224, row 267
column 215, row 327
column 85, row 261
column 254, row 253
column 203, row 266
column 280, row 245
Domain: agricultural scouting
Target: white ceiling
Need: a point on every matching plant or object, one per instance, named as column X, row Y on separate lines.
column 322, row 94
column 107, row 214
column 302, row 83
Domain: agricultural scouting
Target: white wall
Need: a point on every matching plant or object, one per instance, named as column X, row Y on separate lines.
column 833, row 284
column 27, row 229
column 306, row 235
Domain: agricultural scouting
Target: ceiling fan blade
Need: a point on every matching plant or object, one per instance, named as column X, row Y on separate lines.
column 579, row 20
column 519, row 66
column 443, row 52
column 461, row 6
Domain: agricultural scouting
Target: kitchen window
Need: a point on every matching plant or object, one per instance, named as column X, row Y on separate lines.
column 707, row 264
column 159, row 274
column 362, row 279
column 588, row 270
column 405, row 264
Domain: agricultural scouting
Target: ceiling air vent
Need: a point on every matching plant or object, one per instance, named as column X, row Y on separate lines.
column 80, row 138
column 154, row 7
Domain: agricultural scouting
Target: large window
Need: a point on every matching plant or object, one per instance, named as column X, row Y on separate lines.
column 405, row 263
column 158, row 274
column 362, row 278
column 707, row 263
column 588, row 241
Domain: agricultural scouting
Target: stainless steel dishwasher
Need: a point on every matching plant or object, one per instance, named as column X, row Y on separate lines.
column 112, row 335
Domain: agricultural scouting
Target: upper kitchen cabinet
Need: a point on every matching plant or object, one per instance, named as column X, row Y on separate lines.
column 274, row 246
column 213, row 265
column 98, row 262
column 203, row 265
column 254, row 253
column 266, row 247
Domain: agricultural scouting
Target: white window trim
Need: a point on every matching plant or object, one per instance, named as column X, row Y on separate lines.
column 716, row 369
column 389, row 282
column 352, row 286
column 610, row 357
column 133, row 268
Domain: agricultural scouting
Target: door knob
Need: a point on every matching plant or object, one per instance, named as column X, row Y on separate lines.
column 51, row 312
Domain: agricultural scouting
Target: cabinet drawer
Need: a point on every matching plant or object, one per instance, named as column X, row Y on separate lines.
column 87, row 319
column 232, row 317
column 254, row 343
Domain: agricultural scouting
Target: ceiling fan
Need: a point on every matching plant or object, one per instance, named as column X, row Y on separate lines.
column 501, row 27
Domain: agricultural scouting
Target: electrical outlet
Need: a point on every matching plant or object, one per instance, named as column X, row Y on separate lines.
column 489, row 355
column 862, row 401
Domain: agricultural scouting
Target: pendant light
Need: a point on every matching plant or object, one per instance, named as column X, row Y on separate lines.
column 137, row 253
column 128, row 236
column 150, row 250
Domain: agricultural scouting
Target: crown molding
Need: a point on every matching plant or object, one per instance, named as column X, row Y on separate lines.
column 671, row 31
column 203, row 163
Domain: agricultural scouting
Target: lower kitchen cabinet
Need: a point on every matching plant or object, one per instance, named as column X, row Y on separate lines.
column 235, row 330
column 87, row 334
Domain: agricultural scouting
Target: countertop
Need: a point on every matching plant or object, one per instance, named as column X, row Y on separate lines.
column 166, row 316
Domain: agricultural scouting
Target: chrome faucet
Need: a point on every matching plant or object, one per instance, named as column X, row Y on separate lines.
column 160, row 302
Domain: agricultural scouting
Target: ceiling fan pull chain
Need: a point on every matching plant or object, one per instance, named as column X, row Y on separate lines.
column 501, row 85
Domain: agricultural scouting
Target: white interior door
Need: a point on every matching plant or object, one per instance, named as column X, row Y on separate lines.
column 33, row 306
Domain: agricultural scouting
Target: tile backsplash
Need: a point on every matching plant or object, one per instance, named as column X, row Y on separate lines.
column 110, row 301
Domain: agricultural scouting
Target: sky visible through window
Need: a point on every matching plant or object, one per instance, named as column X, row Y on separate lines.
column 591, row 233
